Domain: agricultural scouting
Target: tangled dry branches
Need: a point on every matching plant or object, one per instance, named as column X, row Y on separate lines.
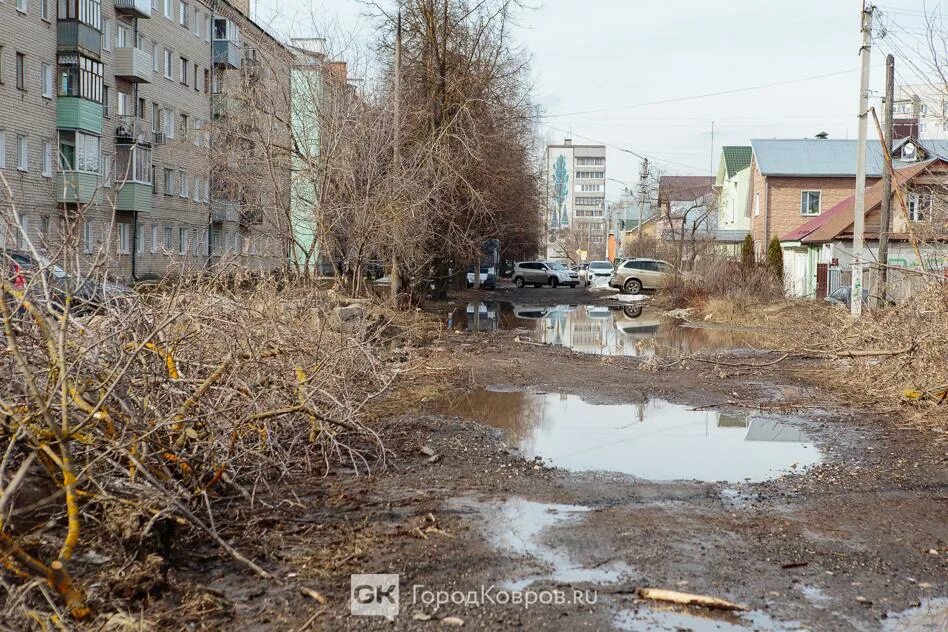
column 146, row 412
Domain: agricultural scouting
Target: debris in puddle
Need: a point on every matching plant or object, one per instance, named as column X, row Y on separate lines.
column 651, row 619
column 930, row 615
column 655, row 440
column 688, row 599
column 454, row 621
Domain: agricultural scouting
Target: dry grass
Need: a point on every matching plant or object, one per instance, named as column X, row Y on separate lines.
column 148, row 413
column 741, row 287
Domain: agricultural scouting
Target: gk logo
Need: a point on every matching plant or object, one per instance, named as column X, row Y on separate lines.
column 374, row 595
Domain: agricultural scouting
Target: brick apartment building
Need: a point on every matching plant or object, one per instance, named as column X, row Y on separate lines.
column 113, row 120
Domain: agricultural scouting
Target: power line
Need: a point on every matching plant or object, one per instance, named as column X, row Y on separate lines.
column 703, row 96
column 626, row 150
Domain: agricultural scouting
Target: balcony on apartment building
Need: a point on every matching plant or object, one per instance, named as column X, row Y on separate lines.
column 224, row 211
column 134, row 8
column 226, row 44
column 77, row 187
column 133, row 172
column 73, row 35
column 132, row 64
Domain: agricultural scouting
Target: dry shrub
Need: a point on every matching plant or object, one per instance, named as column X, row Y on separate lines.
column 888, row 357
column 148, row 411
column 723, row 280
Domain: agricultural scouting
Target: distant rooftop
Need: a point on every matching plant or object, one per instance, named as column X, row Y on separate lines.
column 736, row 158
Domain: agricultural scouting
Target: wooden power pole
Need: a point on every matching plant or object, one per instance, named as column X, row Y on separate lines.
column 643, row 197
column 395, row 276
column 885, row 218
column 855, row 302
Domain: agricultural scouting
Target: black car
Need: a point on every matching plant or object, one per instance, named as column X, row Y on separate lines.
column 88, row 295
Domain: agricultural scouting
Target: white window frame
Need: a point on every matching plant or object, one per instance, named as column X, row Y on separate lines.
column 124, row 244
column 805, row 204
column 183, row 240
column 168, row 243
column 22, row 153
column 87, row 237
column 3, row 152
column 169, row 9
column 47, row 159
column 139, row 238
column 183, row 183
column 106, row 34
column 44, row 10
column 22, row 6
column 169, row 59
column 155, row 235
column 183, row 11
column 916, row 212
column 46, row 80
column 155, row 60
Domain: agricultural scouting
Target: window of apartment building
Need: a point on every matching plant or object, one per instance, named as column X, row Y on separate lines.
column 139, row 238
column 590, row 162
column 124, row 104
column 169, row 236
column 134, row 163
column 47, row 159
column 182, row 183
column 207, row 189
column 590, row 188
column 169, row 9
column 47, row 80
column 22, row 153
column 208, row 27
column 44, row 9
column 141, row 108
column 3, row 153
column 167, row 63
column 23, row 233
column 183, row 14
column 154, row 238
column 86, row 11
column 183, row 70
column 224, row 29
column 154, row 181
column 155, row 117
column 810, row 202
column 207, row 80
column 21, row 6
column 589, row 175
column 107, row 169
column 80, row 77
column 168, row 181
column 106, row 34
column 106, row 101
column 182, row 241
column 168, row 122
column 196, row 189
column 87, row 236
column 20, row 71
column 184, row 125
column 124, row 238
column 155, row 60
column 197, row 78
column 1, row 65
column 122, row 35
column 79, row 152
column 139, row 40
column 45, row 227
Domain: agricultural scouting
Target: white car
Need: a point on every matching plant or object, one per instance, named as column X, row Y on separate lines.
column 599, row 272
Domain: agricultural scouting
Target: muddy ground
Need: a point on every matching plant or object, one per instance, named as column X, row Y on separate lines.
column 841, row 546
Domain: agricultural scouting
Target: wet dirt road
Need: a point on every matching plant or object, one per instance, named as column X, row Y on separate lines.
column 564, row 466
column 553, row 462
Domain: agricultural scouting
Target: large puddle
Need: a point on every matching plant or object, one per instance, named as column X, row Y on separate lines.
column 631, row 330
column 697, row 620
column 656, row 440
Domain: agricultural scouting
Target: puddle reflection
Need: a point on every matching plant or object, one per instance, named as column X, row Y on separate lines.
column 631, row 330
column 656, row 440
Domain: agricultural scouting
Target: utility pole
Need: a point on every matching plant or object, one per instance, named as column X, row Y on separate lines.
column 886, row 211
column 643, row 195
column 712, row 148
column 395, row 277
column 855, row 297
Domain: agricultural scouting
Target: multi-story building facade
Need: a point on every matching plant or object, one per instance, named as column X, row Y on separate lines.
column 920, row 111
column 108, row 139
column 576, row 197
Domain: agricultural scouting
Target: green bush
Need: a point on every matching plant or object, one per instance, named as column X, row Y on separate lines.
column 775, row 259
column 747, row 251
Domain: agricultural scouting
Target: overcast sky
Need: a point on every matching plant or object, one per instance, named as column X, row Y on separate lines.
column 600, row 66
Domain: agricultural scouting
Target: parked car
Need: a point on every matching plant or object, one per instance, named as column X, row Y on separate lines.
column 88, row 295
column 539, row 273
column 634, row 275
column 843, row 296
column 599, row 271
column 488, row 278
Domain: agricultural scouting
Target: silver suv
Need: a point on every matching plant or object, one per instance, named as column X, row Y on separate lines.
column 538, row 273
column 635, row 275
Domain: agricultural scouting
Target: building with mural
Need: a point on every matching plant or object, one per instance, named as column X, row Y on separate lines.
column 575, row 221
